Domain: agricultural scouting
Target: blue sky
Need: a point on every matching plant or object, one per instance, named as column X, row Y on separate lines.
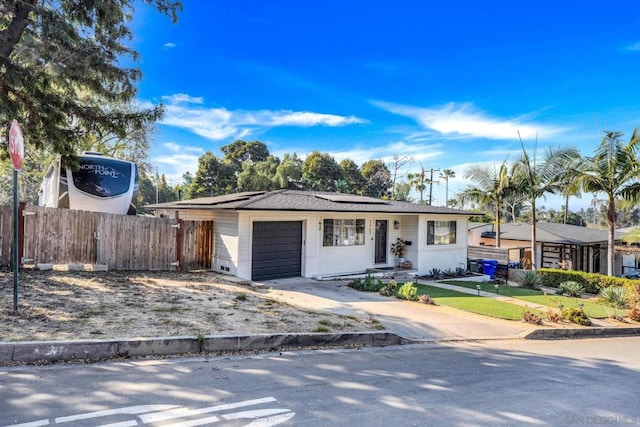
column 450, row 83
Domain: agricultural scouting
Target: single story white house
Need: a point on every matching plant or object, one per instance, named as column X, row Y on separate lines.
column 265, row 235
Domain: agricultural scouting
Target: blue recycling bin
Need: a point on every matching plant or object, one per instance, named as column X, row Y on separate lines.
column 489, row 267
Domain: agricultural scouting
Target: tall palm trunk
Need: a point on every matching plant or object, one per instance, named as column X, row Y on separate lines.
column 611, row 222
column 534, row 254
column 498, row 220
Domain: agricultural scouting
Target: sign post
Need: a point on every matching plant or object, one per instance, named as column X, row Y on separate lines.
column 16, row 150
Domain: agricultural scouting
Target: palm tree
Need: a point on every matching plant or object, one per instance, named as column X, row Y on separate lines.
column 570, row 184
column 417, row 181
column 446, row 174
column 613, row 169
column 537, row 178
column 492, row 186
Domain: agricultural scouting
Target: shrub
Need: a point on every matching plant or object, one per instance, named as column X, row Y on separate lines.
column 426, row 299
column 553, row 316
column 408, row 291
column 615, row 295
column 436, row 273
column 576, row 315
column 530, row 317
column 390, row 289
column 634, row 314
column 570, row 289
column 503, row 274
column 368, row 284
column 530, row 279
column 592, row 282
column 355, row 284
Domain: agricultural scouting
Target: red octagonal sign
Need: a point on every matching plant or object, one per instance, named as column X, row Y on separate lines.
column 16, row 145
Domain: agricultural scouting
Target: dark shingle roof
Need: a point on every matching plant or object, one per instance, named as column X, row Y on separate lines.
column 549, row 232
column 315, row 201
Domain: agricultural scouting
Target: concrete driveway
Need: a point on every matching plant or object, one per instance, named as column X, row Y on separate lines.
column 407, row 319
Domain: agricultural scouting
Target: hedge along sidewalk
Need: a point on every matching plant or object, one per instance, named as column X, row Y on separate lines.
column 548, row 299
column 468, row 300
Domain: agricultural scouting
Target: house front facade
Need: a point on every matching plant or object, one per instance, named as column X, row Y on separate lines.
column 289, row 233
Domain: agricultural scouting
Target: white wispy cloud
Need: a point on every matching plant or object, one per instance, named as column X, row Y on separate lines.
column 177, row 159
column 187, row 112
column 182, row 98
column 465, row 120
column 635, row 46
column 170, row 45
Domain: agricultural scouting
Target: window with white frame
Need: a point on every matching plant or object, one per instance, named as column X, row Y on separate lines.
column 441, row 232
column 343, row 232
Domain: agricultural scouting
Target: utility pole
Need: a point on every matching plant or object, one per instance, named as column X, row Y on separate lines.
column 431, row 184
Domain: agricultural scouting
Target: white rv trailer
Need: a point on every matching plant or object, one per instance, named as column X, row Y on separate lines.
column 98, row 183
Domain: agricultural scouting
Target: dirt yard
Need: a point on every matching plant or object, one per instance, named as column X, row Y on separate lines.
column 64, row 305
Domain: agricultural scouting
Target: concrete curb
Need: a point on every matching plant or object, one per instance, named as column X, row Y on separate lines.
column 578, row 333
column 57, row 351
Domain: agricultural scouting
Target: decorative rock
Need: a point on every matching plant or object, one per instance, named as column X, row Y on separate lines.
column 44, row 266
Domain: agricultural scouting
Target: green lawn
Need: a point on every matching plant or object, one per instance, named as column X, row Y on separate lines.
column 592, row 309
column 509, row 291
column 473, row 303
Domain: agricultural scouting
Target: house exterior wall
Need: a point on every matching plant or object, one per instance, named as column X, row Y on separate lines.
column 475, row 235
column 319, row 260
column 225, row 242
column 442, row 257
column 232, row 234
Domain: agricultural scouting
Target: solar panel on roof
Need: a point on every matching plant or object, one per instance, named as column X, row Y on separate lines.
column 227, row 198
column 351, row 198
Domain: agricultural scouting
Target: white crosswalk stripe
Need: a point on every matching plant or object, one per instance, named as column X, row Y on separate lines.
column 178, row 416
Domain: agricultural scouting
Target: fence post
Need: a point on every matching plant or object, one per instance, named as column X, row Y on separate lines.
column 21, row 207
column 179, row 243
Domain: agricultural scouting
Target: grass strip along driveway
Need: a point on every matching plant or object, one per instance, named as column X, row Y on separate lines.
column 592, row 309
column 473, row 303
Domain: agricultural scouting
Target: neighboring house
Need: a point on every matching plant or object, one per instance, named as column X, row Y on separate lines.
column 287, row 233
column 630, row 252
column 558, row 245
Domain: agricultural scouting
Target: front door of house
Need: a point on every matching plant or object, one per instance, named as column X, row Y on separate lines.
column 381, row 241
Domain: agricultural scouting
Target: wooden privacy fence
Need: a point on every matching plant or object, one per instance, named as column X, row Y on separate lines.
column 121, row 242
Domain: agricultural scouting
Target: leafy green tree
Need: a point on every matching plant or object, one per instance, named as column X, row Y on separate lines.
column 352, row 176
column 492, row 187
column 61, row 72
column 613, row 170
column 289, row 172
column 377, row 178
column 213, row 177
column 240, row 151
column 403, row 189
column 537, row 177
column 260, row 176
column 320, row 171
column 35, row 165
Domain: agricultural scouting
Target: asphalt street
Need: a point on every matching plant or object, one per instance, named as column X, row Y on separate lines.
column 492, row 383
